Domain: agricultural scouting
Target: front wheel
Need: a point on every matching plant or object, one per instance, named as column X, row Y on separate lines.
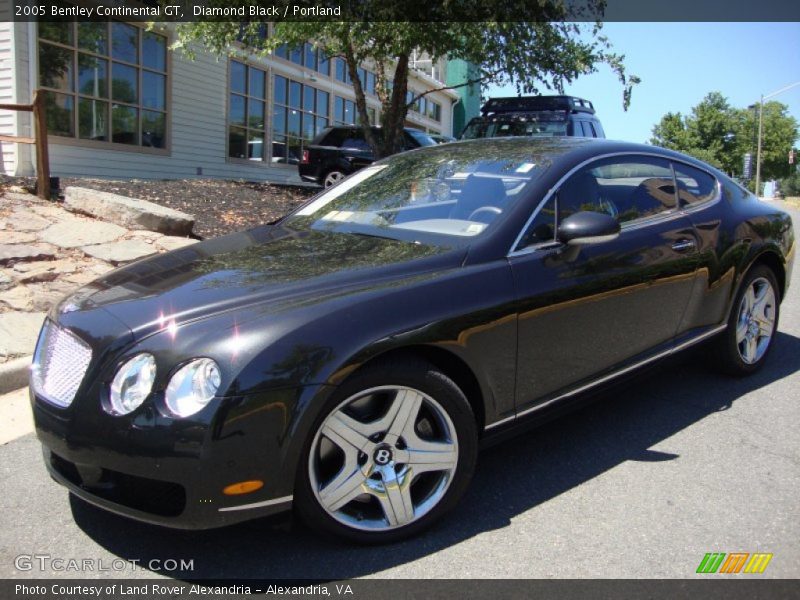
column 392, row 452
column 743, row 347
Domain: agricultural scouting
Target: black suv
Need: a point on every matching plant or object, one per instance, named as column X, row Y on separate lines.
column 339, row 151
column 541, row 116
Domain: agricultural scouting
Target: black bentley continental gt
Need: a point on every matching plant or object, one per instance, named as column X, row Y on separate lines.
column 349, row 359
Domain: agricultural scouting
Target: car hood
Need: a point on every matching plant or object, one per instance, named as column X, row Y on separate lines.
column 267, row 265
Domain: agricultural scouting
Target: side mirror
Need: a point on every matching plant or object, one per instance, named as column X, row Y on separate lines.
column 587, row 227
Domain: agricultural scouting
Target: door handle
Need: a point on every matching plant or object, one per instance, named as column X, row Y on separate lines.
column 683, row 245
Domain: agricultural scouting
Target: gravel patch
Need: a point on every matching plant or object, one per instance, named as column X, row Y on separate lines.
column 219, row 206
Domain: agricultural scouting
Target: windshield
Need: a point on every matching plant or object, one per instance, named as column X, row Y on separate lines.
column 495, row 128
column 441, row 195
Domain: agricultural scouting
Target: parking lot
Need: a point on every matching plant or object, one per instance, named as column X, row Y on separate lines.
column 640, row 484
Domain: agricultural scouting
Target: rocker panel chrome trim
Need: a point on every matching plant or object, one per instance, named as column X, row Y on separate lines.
column 610, row 376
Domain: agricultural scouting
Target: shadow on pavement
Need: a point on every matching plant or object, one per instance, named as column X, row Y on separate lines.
column 621, row 426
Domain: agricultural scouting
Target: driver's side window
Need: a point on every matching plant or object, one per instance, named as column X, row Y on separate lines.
column 628, row 188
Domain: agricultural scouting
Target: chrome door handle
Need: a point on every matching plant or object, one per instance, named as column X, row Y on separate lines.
column 683, row 245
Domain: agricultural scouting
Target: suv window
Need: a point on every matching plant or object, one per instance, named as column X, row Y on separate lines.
column 694, row 186
column 355, row 140
column 416, row 138
column 351, row 138
column 334, row 137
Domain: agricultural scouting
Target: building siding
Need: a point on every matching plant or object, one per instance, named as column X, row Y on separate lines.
column 197, row 108
column 7, row 118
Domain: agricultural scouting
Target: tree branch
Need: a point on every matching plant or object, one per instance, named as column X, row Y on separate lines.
column 455, row 87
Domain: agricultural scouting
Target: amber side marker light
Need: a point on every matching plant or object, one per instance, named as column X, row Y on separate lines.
column 243, row 487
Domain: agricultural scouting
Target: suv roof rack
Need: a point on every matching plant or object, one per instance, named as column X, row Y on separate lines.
column 521, row 104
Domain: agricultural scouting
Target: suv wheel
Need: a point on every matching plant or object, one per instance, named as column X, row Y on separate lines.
column 332, row 178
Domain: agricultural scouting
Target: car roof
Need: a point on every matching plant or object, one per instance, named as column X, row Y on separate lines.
column 581, row 149
column 331, row 127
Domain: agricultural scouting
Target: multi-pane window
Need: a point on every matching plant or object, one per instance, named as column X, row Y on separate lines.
column 306, row 56
column 247, row 112
column 434, row 110
column 341, row 71
column 299, row 112
column 344, row 111
column 424, row 106
column 104, row 81
column 367, row 78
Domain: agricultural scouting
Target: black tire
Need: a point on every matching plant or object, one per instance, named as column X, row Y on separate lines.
column 410, row 372
column 727, row 355
column 332, row 177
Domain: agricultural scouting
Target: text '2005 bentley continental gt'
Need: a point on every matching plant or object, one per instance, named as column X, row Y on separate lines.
column 348, row 360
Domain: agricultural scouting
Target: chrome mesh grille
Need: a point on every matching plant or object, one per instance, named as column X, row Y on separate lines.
column 59, row 364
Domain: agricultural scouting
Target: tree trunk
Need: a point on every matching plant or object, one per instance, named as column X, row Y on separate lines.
column 361, row 100
column 394, row 115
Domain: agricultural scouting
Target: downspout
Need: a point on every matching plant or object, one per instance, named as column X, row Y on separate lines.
column 453, row 116
column 26, row 157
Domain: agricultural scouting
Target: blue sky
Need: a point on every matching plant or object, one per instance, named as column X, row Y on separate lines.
column 679, row 63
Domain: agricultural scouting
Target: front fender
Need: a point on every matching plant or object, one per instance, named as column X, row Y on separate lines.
column 468, row 312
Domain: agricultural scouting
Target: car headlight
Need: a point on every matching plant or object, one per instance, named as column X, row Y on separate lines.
column 192, row 387
column 132, row 384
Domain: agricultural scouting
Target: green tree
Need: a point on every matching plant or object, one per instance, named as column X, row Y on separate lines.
column 790, row 186
column 671, row 132
column 779, row 133
column 721, row 135
column 544, row 54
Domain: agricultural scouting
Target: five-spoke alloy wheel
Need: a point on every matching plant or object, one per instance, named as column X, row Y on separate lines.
column 756, row 322
column 332, row 178
column 743, row 346
column 387, row 459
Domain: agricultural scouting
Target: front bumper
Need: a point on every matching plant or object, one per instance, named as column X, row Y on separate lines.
column 171, row 472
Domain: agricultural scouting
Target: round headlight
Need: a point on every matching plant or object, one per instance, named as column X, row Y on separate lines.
column 132, row 384
column 192, row 387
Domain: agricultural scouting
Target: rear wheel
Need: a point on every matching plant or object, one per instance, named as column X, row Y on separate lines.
column 392, row 452
column 743, row 347
column 332, row 178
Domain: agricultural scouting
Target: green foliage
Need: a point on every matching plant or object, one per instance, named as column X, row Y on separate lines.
column 532, row 56
column 721, row 135
column 790, row 186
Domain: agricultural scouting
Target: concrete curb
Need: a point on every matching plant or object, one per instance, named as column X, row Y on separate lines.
column 14, row 374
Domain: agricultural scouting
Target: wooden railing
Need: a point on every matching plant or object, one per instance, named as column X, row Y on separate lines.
column 39, row 140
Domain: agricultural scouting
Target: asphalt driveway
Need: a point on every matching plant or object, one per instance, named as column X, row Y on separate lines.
column 640, row 484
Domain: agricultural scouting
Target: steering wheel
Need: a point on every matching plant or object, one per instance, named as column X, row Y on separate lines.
column 487, row 209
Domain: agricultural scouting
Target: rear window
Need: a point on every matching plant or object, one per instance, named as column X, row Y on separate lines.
column 421, row 138
column 346, row 137
column 334, row 137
